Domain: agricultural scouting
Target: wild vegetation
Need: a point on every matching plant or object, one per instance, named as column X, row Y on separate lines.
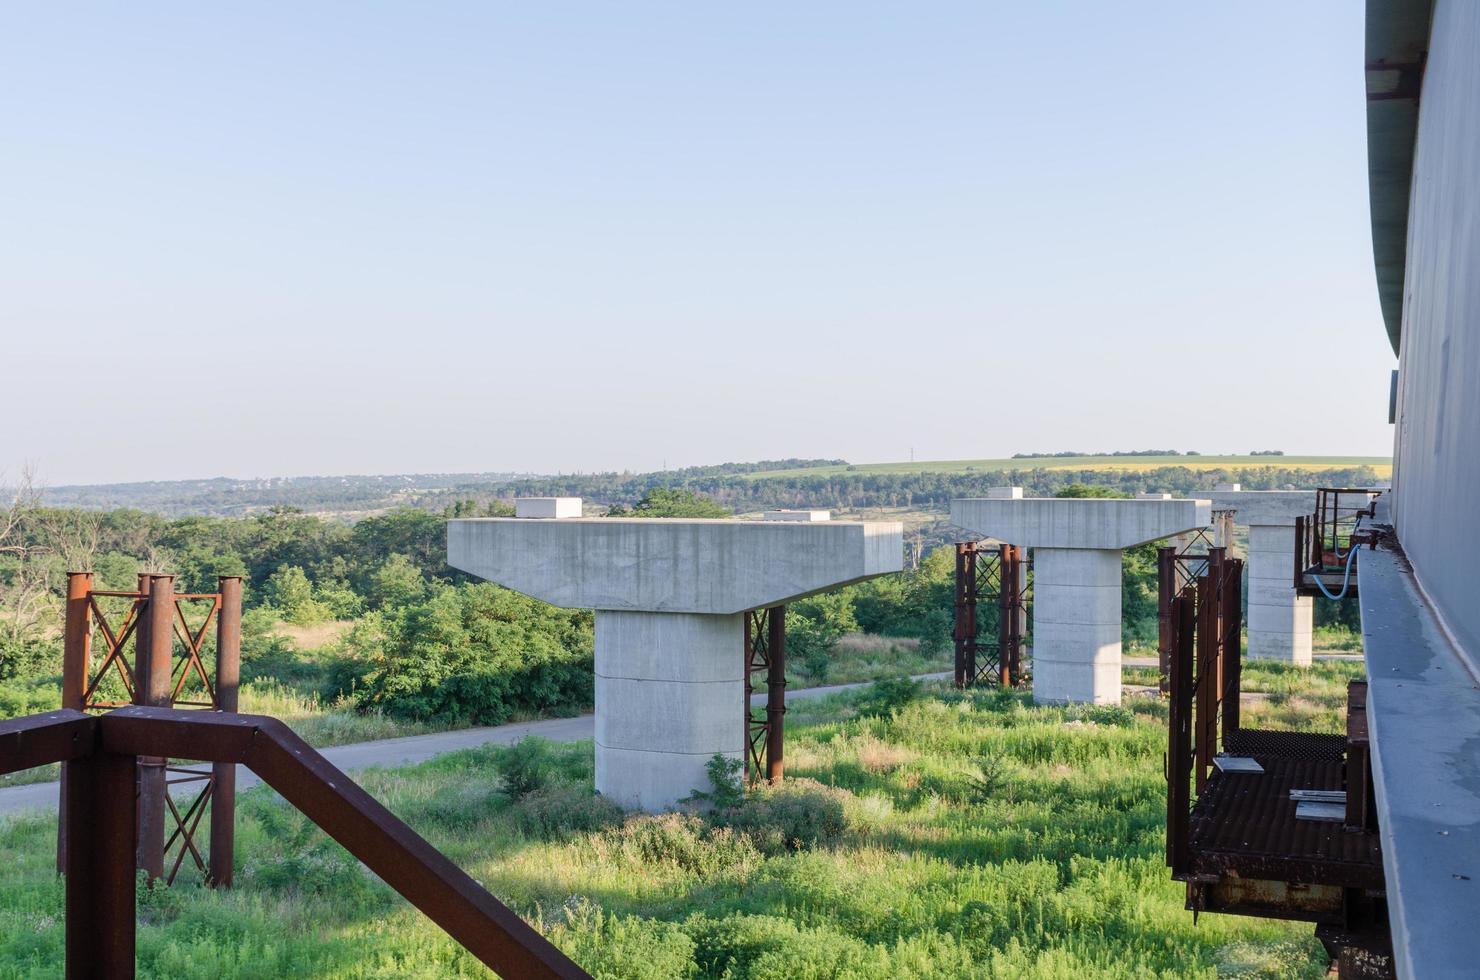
column 922, row 832
column 362, row 630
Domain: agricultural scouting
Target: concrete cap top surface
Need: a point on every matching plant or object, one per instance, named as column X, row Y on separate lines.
column 673, row 565
column 547, row 507
column 1080, row 522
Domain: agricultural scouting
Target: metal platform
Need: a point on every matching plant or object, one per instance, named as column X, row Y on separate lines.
column 1244, row 824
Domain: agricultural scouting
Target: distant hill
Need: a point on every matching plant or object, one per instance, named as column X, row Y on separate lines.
column 744, row 487
column 1127, row 462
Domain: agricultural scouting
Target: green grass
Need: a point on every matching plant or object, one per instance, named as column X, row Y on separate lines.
column 963, row 834
column 862, row 657
column 1382, row 464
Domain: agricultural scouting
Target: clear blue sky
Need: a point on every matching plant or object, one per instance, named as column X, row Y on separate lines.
column 368, row 238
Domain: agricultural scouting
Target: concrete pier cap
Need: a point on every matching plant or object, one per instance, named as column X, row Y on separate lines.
column 670, row 597
column 1076, row 546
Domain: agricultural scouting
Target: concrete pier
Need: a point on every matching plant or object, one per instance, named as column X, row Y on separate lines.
column 669, row 597
column 1279, row 622
column 1076, row 546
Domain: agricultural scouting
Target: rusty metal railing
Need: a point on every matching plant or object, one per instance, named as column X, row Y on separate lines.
column 1201, row 628
column 100, row 755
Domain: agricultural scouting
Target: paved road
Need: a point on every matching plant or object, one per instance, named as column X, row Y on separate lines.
column 409, row 751
column 393, row 752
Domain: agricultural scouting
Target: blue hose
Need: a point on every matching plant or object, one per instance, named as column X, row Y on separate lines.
column 1346, row 577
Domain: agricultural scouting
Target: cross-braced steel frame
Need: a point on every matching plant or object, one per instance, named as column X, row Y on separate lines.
column 162, row 675
column 993, row 591
column 765, row 653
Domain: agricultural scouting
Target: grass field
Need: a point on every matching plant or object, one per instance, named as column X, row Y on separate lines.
column 1382, row 464
column 949, row 834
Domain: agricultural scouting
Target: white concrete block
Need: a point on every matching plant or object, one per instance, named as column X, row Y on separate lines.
column 804, row 516
column 547, row 507
column 1004, row 493
column 1228, row 487
column 1153, row 496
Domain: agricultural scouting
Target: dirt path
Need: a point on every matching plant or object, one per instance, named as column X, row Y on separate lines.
column 395, row 752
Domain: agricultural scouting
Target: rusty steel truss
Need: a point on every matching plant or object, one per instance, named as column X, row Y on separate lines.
column 169, row 630
column 1235, row 831
column 100, row 756
column 765, row 653
column 993, row 592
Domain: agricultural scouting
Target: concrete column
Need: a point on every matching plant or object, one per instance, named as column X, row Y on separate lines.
column 1279, row 621
column 670, row 693
column 1076, row 625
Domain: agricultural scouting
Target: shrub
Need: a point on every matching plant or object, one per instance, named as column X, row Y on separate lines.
column 524, row 766
column 614, row 947
column 798, row 815
column 683, row 841
column 559, row 809
column 884, row 697
column 726, row 783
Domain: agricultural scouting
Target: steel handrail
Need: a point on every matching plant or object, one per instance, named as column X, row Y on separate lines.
column 100, row 755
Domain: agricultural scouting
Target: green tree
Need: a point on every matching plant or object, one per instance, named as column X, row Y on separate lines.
column 672, row 502
column 289, row 591
column 397, row 582
column 479, row 652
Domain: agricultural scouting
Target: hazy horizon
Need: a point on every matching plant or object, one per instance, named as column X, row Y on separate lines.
column 355, row 240
column 244, row 477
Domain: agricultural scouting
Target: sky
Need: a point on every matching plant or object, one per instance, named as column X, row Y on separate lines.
column 287, row 239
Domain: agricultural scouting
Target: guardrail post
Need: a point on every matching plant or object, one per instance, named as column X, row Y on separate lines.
column 76, row 640
column 100, row 821
column 155, row 650
column 228, row 676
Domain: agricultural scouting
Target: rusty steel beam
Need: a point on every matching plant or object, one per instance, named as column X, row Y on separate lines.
column 101, row 820
column 76, row 641
column 1010, row 614
column 39, row 740
column 1232, row 644
column 1166, row 591
column 156, row 637
column 1182, row 624
column 964, row 633
column 421, row 874
column 775, row 693
column 228, row 678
